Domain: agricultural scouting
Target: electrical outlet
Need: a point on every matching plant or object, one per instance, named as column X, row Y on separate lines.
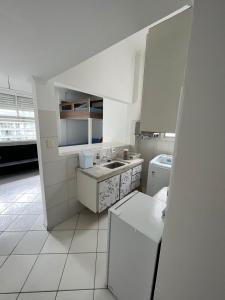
column 113, row 149
column 50, row 143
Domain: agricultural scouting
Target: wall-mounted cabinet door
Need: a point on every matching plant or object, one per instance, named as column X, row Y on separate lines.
column 125, row 183
column 108, row 192
column 165, row 59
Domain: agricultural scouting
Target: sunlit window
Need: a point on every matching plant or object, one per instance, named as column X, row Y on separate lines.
column 17, row 121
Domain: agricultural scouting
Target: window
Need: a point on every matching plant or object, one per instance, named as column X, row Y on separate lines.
column 17, row 121
column 81, row 118
column 170, row 135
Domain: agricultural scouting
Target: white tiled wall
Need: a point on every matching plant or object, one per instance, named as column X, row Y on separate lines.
column 54, row 172
column 56, row 194
column 58, row 173
column 48, row 125
column 49, row 154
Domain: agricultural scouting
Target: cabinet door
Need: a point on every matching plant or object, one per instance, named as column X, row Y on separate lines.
column 165, row 59
column 125, row 184
column 108, row 192
column 137, row 169
column 136, row 180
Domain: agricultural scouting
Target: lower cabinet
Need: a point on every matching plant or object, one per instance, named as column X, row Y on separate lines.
column 98, row 195
column 125, row 183
column 108, row 192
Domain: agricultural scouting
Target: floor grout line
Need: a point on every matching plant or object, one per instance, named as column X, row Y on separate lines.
column 52, row 291
column 31, row 268
column 52, row 253
column 77, row 220
column 27, row 277
column 10, row 254
column 39, row 254
column 96, row 259
column 10, row 222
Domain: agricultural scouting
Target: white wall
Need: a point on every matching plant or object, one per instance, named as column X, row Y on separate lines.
column 4, row 81
column 54, row 37
column 115, row 122
column 107, row 74
column 116, row 73
column 134, row 108
column 118, row 70
column 15, row 82
column 192, row 264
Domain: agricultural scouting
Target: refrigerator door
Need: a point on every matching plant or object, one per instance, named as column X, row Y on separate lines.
column 134, row 237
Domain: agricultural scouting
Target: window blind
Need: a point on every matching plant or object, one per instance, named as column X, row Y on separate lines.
column 16, row 117
column 8, row 105
column 25, row 107
column 16, row 106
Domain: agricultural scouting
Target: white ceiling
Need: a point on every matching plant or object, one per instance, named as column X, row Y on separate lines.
column 46, row 37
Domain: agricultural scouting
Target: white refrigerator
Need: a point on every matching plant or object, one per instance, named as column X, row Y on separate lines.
column 135, row 231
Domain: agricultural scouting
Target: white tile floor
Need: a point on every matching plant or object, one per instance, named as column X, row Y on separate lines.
column 68, row 263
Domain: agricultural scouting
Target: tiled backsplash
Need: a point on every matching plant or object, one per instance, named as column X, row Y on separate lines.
column 108, row 153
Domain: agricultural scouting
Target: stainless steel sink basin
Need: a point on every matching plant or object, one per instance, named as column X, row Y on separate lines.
column 114, row 165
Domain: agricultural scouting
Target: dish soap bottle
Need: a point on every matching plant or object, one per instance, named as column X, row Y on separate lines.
column 97, row 159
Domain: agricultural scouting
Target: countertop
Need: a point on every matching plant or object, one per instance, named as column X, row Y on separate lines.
column 71, row 150
column 101, row 173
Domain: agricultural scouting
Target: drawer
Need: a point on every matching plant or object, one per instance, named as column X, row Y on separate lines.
column 137, row 169
column 136, row 177
column 135, row 184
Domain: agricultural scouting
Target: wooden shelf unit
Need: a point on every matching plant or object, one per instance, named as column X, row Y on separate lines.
column 81, row 109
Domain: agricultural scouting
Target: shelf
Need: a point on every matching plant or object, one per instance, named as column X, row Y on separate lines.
column 80, row 115
column 82, row 109
column 18, row 162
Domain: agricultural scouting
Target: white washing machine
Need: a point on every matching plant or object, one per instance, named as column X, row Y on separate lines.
column 158, row 173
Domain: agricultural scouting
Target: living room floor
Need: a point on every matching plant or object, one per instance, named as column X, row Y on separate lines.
column 67, row 263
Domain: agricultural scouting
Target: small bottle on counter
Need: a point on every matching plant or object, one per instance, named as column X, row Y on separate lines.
column 125, row 154
column 97, row 159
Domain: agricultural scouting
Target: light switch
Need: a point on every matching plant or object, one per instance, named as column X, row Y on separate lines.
column 50, row 143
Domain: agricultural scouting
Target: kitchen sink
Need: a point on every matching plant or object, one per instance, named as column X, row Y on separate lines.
column 114, row 165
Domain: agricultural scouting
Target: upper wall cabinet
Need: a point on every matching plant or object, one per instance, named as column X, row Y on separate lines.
column 165, row 59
